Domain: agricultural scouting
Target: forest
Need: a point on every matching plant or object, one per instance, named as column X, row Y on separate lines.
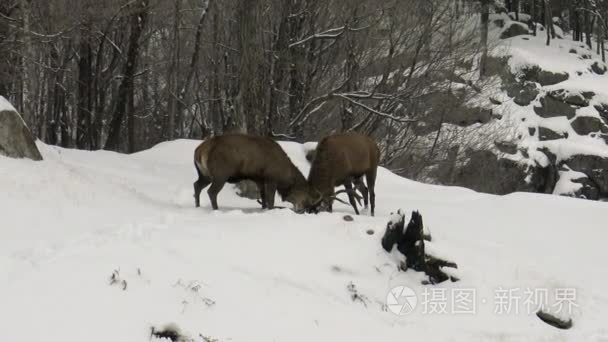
column 124, row 75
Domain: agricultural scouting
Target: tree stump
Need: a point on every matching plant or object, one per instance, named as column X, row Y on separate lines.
column 411, row 243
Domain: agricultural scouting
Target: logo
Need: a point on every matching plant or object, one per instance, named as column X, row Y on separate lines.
column 401, row 300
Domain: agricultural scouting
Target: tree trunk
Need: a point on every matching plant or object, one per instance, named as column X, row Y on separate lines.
column 253, row 85
column 27, row 66
column 533, row 16
column 5, row 70
column 131, row 119
column 174, row 76
column 84, row 110
column 589, row 22
column 138, row 22
column 485, row 14
column 548, row 22
column 186, row 86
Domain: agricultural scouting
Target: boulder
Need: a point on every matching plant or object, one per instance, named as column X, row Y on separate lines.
column 545, row 134
column 598, row 68
column 440, row 103
column 485, row 172
column 572, row 98
column 588, row 189
column 16, row 140
column 514, row 29
column 552, row 107
column 584, row 125
column 524, row 94
column 595, row 167
column 545, row 78
column 602, row 109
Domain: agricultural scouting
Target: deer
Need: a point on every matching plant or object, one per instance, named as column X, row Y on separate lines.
column 343, row 159
column 357, row 183
column 231, row 158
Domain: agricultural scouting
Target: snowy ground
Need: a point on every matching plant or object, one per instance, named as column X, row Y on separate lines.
column 243, row 274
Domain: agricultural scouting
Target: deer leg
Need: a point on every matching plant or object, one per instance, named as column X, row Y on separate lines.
column 362, row 189
column 262, row 188
column 351, row 198
column 270, row 190
column 213, row 190
column 199, row 185
column 370, row 177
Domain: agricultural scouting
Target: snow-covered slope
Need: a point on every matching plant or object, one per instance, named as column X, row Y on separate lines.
column 242, row 274
column 550, row 116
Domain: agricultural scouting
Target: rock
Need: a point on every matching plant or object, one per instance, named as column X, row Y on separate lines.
column 572, row 98
column 584, row 125
column 598, row 68
column 348, row 218
column 545, row 178
column 485, row 172
column 588, row 189
column 552, row 107
column 545, row 134
column 514, row 29
column 495, row 101
column 16, row 140
column 532, row 131
column 595, row 167
column 545, row 78
column 554, row 320
column 499, row 22
column 524, row 94
column 507, row 147
column 602, row 109
column 370, row 232
column 439, row 103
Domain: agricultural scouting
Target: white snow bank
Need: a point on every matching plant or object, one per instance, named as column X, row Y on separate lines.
column 243, row 274
column 528, row 51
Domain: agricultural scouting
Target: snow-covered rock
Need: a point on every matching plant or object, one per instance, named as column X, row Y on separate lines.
column 554, row 114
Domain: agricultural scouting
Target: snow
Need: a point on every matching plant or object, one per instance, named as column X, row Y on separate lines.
column 528, row 51
column 5, row 105
column 565, row 184
column 562, row 56
column 523, row 17
column 242, row 274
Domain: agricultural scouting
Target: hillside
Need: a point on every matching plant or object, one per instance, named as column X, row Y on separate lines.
column 544, row 127
column 242, row 274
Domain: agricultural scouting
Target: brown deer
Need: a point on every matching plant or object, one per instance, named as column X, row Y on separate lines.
column 343, row 159
column 235, row 157
column 357, row 182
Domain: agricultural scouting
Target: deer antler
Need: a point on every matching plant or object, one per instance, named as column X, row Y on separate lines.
column 348, row 191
